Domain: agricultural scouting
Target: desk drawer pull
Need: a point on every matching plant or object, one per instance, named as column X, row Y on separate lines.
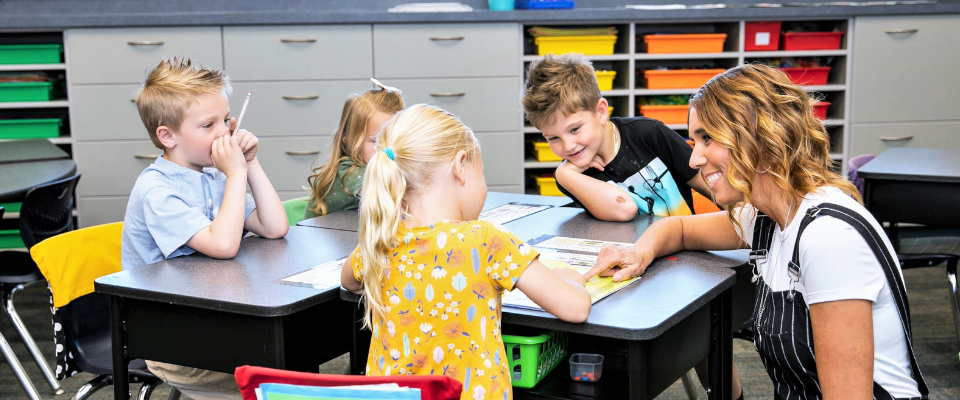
column 302, row 152
column 305, row 97
column 448, row 94
column 146, row 156
column 133, row 100
column 910, row 30
column 446, row 38
column 298, row 40
column 145, row 42
column 895, row 138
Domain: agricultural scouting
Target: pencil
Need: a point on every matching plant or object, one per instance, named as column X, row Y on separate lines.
column 243, row 110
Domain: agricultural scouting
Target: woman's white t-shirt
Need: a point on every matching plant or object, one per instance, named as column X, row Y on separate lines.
column 837, row 264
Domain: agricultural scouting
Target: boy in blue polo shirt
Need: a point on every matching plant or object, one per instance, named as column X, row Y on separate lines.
column 193, row 198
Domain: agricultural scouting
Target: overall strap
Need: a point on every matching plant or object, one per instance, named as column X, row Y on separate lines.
column 762, row 235
column 887, row 262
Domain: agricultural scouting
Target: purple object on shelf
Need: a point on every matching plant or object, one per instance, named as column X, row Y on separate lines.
column 544, row 4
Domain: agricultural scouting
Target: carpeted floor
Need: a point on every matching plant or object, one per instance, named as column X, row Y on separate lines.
column 935, row 338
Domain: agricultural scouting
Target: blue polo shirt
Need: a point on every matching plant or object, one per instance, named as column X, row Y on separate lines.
column 168, row 205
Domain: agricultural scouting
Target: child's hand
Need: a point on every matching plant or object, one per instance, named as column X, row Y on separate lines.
column 248, row 144
column 570, row 275
column 597, row 163
column 227, row 156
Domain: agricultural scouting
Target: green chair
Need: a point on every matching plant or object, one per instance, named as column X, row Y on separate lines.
column 295, row 209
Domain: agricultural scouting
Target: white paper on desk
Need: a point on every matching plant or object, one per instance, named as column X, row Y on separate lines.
column 574, row 244
column 510, row 212
column 323, row 276
column 574, row 259
column 430, row 7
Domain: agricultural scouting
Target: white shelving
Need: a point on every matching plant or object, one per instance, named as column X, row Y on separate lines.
column 35, row 104
column 33, row 67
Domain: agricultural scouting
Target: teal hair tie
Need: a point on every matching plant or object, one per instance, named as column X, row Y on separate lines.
column 389, row 152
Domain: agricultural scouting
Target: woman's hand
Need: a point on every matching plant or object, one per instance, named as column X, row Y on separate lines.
column 621, row 264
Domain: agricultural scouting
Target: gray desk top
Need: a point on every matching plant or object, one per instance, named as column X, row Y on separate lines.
column 929, row 165
column 116, row 13
column 349, row 220
column 244, row 284
column 30, row 150
column 17, row 178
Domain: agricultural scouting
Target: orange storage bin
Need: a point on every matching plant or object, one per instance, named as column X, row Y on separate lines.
column 808, row 76
column 762, row 36
column 812, row 40
column 666, row 114
column 685, row 43
column 820, row 110
column 679, row 79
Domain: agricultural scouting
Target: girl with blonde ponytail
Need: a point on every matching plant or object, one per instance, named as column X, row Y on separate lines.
column 432, row 274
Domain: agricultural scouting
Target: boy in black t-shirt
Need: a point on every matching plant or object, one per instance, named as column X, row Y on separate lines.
column 616, row 168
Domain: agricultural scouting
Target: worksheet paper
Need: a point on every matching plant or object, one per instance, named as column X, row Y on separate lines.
column 574, row 244
column 323, row 276
column 599, row 287
column 510, row 212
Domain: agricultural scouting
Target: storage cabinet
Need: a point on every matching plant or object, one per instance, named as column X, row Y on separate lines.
column 101, row 112
column 298, row 52
column 306, row 108
column 876, row 138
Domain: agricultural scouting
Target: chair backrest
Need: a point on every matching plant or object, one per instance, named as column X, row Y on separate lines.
column 431, row 387
column 295, row 209
column 47, row 210
column 855, row 164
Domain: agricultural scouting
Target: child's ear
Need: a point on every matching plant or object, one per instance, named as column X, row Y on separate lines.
column 166, row 137
column 603, row 110
column 460, row 167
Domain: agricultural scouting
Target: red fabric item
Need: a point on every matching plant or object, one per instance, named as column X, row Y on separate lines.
column 431, row 387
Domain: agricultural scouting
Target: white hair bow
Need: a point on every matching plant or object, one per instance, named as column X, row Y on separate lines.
column 385, row 87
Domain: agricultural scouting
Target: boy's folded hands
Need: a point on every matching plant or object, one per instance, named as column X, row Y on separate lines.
column 597, row 163
column 248, row 144
column 228, row 156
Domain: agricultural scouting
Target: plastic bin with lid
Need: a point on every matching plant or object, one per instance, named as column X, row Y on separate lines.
column 685, row 43
column 30, row 128
column 808, row 76
column 30, row 53
column 679, row 79
column 762, row 36
column 812, row 40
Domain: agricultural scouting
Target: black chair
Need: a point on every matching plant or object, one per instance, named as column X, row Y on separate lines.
column 46, row 211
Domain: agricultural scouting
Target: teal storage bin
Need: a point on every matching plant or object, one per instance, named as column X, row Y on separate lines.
column 42, row 128
column 30, row 53
column 26, row 91
column 500, row 5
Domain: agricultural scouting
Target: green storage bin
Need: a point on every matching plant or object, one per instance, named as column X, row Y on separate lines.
column 26, row 91
column 531, row 358
column 30, row 128
column 30, row 53
column 11, row 207
column 10, row 239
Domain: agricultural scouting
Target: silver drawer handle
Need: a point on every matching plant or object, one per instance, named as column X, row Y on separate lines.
column 298, row 40
column 914, row 30
column 302, row 152
column 146, row 156
column 895, row 138
column 306, row 97
column 446, row 38
column 448, row 94
column 145, row 43
column 133, row 100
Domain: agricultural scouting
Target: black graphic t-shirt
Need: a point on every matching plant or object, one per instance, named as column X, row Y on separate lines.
column 652, row 166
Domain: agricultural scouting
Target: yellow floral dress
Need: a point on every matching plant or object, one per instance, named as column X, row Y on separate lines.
column 442, row 295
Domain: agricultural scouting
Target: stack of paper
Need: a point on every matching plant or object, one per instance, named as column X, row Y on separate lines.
column 537, row 31
column 431, row 7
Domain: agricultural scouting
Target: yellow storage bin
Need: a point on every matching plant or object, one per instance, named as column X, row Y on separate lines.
column 548, row 186
column 542, row 149
column 588, row 45
column 605, row 79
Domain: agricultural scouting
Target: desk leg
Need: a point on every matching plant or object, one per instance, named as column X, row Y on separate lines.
column 360, row 348
column 637, row 370
column 721, row 347
column 121, row 385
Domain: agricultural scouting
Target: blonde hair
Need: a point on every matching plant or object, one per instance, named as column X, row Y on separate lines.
column 767, row 123
column 559, row 84
column 171, row 87
column 348, row 141
column 421, row 138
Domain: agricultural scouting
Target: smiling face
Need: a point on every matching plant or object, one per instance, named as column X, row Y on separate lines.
column 712, row 160
column 204, row 120
column 577, row 137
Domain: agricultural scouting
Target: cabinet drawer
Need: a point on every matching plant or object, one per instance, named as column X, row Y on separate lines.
column 874, row 139
column 111, row 168
column 298, row 52
column 289, row 161
column 489, row 104
column 293, row 108
column 446, row 50
column 102, row 210
column 502, row 157
column 125, row 55
column 105, row 113
column 902, row 69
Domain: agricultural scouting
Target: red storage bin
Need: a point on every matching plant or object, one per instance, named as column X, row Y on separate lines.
column 808, row 76
column 812, row 40
column 762, row 36
column 820, row 110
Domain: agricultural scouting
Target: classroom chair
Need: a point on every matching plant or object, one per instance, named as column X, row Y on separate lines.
column 431, row 387
column 295, row 209
column 47, row 210
column 921, row 247
column 71, row 262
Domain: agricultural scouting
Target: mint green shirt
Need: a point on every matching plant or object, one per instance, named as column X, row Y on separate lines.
column 337, row 199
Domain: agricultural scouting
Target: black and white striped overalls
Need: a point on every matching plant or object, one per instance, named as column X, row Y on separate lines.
column 781, row 321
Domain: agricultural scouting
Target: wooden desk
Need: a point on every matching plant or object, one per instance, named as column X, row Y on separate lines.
column 349, row 220
column 17, row 178
column 221, row 314
column 913, row 185
column 30, row 150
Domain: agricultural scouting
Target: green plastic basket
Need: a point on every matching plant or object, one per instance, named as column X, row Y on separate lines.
column 11, row 207
column 531, row 358
column 30, row 128
column 10, row 239
column 26, row 91
column 30, row 53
